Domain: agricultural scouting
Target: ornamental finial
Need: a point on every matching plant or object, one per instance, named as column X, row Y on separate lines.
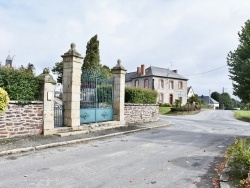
column 73, row 46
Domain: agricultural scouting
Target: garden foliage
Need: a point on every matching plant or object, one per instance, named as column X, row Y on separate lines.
column 19, row 84
column 4, row 100
column 238, row 156
column 140, row 96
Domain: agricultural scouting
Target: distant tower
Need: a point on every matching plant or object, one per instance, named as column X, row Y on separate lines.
column 8, row 62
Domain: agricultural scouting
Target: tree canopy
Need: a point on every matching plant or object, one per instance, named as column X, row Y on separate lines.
column 239, row 65
column 58, row 70
column 216, row 96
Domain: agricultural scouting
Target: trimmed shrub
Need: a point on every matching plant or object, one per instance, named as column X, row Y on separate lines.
column 19, row 84
column 140, row 96
column 4, row 100
column 165, row 105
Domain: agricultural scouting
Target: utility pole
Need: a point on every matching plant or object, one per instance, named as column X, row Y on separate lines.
column 209, row 98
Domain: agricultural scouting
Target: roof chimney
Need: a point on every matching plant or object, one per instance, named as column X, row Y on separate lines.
column 138, row 69
column 176, row 71
column 143, row 69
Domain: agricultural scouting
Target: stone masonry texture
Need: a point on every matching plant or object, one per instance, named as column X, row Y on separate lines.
column 21, row 120
column 139, row 113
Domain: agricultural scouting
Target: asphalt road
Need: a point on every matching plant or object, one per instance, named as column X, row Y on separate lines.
column 182, row 155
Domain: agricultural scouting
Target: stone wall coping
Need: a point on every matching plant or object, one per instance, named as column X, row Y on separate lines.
column 30, row 102
column 132, row 104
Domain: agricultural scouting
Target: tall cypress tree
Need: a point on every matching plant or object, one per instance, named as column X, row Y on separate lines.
column 92, row 58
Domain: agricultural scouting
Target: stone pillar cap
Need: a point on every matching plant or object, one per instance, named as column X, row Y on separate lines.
column 72, row 52
column 46, row 77
column 119, row 66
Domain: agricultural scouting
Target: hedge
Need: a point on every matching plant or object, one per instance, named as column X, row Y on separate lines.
column 140, row 96
column 20, row 85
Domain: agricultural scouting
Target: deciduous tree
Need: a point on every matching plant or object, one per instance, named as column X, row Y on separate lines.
column 239, row 65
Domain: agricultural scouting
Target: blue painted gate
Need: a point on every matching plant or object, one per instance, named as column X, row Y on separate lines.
column 96, row 98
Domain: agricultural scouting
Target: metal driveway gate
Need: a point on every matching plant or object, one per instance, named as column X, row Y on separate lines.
column 58, row 115
column 96, row 97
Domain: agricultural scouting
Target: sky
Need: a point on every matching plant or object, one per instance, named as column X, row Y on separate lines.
column 191, row 36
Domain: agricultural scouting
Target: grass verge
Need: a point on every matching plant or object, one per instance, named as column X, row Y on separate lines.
column 243, row 115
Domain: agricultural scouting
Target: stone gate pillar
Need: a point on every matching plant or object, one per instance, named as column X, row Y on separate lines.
column 118, row 73
column 72, row 61
column 47, row 91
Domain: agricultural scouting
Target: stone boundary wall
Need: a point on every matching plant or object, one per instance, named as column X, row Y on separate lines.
column 138, row 113
column 21, row 120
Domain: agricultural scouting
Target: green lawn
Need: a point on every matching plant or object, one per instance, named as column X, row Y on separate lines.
column 164, row 110
column 243, row 115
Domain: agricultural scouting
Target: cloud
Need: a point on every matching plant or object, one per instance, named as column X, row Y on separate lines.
column 194, row 36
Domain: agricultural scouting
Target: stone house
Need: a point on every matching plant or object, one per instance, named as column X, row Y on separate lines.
column 168, row 83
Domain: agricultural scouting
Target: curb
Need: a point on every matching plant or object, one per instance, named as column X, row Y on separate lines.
column 40, row 147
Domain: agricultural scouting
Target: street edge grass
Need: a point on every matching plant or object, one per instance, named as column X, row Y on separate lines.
column 242, row 115
column 167, row 111
column 236, row 151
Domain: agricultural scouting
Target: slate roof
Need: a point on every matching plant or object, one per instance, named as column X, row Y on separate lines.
column 206, row 99
column 154, row 71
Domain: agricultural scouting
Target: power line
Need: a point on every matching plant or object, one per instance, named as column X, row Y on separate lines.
column 207, row 71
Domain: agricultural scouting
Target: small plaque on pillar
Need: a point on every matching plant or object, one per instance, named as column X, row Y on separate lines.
column 49, row 95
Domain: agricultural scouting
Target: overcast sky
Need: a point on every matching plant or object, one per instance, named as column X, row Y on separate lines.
column 192, row 36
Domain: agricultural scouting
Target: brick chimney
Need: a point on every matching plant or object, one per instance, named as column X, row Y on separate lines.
column 176, row 71
column 143, row 69
column 138, row 69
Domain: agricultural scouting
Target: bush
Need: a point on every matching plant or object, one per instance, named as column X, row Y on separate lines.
column 4, row 100
column 238, row 157
column 140, row 96
column 185, row 108
column 19, row 84
column 165, row 105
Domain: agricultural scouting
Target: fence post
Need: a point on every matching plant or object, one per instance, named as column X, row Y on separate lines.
column 118, row 73
column 47, row 90
column 72, row 62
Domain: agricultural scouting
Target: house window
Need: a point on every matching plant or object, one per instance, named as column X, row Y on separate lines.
column 161, row 98
column 171, row 84
column 180, row 85
column 161, row 83
column 146, row 85
column 137, row 83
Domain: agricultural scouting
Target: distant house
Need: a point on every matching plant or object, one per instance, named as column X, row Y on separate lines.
column 168, row 83
column 190, row 92
column 210, row 101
